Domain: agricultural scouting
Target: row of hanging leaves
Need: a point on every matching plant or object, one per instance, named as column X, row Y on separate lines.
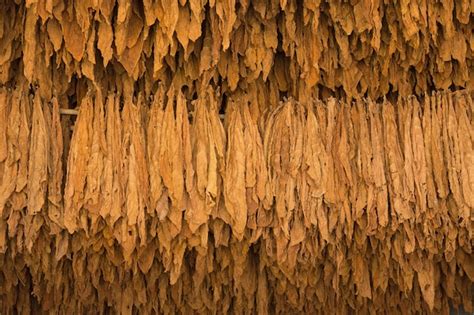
column 159, row 205
column 275, row 46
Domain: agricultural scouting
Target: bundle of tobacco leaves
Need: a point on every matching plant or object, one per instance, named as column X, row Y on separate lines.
column 277, row 47
column 236, row 156
column 158, row 205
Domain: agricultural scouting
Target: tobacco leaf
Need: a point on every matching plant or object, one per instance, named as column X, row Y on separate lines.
column 78, row 159
column 38, row 160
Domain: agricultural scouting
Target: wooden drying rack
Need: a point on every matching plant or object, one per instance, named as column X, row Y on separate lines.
column 75, row 112
column 66, row 111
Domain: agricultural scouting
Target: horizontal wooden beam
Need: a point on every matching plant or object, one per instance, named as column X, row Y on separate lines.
column 68, row 111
